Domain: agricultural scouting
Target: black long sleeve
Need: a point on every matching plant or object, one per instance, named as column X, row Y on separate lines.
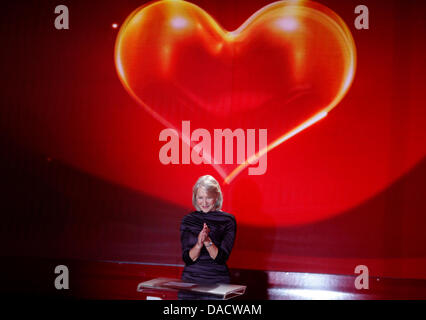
column 227, row 243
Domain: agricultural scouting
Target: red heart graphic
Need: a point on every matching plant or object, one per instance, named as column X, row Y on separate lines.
column 284, row 69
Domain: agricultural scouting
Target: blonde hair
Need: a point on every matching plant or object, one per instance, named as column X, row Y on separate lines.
column 211, row 185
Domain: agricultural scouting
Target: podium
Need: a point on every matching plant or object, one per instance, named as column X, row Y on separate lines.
column 163, row 285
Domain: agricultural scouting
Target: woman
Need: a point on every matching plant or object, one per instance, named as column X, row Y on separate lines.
column 207, row 235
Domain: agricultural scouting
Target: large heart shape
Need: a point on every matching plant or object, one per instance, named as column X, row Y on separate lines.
column 283, row 69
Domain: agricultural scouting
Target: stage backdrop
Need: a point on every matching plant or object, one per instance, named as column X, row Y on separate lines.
column 111, row 110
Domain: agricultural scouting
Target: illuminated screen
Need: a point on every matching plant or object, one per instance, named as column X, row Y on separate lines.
column 311, row 115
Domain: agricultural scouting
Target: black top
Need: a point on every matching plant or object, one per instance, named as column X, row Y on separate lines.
column 204, row 269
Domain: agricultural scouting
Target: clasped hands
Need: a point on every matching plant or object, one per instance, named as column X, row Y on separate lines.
column 203, row 236
column 203, row 239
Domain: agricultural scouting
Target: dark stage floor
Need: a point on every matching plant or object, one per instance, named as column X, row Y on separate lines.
column 29, row 276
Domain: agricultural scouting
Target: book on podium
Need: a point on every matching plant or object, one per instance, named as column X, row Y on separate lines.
column 221, row 290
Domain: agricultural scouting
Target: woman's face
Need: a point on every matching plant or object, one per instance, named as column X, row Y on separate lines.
column 205, row 201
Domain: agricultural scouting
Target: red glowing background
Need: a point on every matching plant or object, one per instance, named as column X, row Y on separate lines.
column 347, row 190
